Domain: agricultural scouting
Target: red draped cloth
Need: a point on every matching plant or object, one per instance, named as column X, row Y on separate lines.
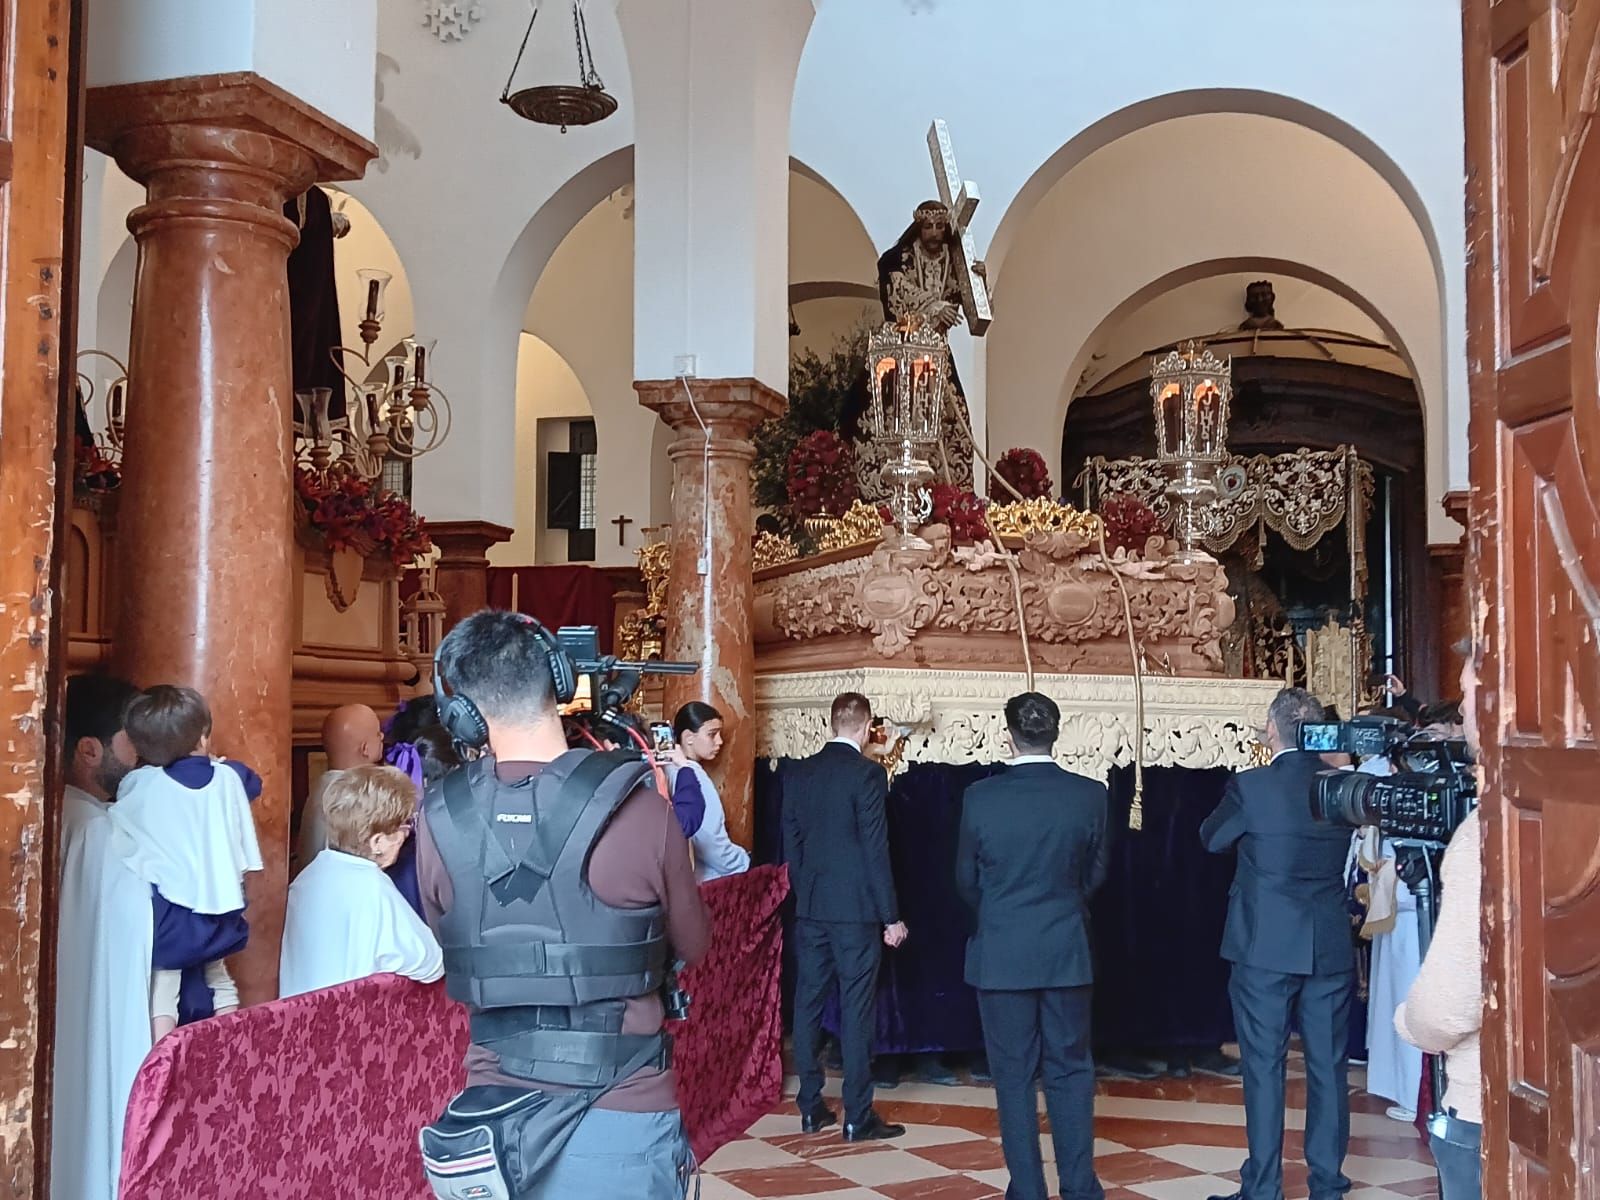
column 557, row 596
column 323, row 1094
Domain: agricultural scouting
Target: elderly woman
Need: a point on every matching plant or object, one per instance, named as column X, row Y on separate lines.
column 346, row 919
column 698, row 730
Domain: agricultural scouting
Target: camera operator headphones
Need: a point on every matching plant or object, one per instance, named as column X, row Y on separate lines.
column 460, row 716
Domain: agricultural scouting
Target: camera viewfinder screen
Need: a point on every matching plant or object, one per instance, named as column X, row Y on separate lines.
column 1319, row 737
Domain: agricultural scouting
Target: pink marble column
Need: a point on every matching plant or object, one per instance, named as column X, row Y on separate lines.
column 208, row 583
column 709, row 612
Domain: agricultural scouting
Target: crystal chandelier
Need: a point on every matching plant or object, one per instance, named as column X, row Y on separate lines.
column 908, row 368
column 1190, row 388
column 400, row 415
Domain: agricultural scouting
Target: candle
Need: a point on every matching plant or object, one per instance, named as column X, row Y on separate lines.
column 373, row 413
column 372, row 300
column 418, row 372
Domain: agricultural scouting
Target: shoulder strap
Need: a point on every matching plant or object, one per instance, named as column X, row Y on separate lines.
column 556, row 824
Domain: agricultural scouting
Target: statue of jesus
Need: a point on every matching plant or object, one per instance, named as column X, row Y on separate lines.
column 917, row 276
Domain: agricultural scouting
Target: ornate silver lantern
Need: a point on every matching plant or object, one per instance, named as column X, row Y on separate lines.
column 907, row 369
column 1191, row 389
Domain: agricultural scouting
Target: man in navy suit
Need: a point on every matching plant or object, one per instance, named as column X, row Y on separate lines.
column 1033, row 849
column 1288, row 938
column 836, row 843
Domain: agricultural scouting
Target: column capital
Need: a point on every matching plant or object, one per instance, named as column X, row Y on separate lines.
column 147, row 126
column 730, row 408
column 466, row 543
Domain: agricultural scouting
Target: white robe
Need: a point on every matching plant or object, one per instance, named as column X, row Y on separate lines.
column 346, row 920
column 715, row 854
column 194, row 845
column 1394, row 1066
column 104, row 937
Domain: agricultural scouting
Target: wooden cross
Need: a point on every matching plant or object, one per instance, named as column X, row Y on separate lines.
column 960, row 197
column 622, row 524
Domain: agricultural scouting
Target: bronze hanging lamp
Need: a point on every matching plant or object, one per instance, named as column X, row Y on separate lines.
column 562, row 104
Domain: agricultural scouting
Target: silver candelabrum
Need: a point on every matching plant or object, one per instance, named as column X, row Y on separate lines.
column 908, row 368
column 1191, row 388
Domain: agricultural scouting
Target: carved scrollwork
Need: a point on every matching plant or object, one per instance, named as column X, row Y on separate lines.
column 959, row 716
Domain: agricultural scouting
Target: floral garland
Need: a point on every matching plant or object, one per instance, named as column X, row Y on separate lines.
column 1025, row 471
column 1130, row 522
column 350, row 514
column 821, row 478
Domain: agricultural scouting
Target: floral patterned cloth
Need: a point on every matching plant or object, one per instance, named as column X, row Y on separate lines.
column 323, row 1094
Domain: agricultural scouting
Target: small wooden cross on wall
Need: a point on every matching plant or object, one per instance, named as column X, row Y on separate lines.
column 622, row 524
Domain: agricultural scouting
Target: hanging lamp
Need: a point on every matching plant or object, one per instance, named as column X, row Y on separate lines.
column 562, row 104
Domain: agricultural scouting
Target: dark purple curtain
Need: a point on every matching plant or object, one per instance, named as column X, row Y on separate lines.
column 1157, row 922
column 314, row 300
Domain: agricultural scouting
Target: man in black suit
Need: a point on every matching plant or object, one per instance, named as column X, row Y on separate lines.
column 1288, row 938
column 836, row 842
column 1033, row 849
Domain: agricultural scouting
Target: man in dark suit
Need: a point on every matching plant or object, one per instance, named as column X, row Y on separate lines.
column 1032, row 851
column 1288, row 938
column 836, row 842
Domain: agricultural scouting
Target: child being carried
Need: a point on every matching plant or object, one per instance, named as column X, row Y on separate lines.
column 182, row 824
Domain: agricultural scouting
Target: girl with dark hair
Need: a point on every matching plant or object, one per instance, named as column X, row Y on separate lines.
column 698, row 729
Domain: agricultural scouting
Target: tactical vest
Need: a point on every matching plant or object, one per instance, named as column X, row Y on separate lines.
column 543, row 966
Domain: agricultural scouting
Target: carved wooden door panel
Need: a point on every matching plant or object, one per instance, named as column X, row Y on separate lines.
column 1533, row 206
column 39, row 169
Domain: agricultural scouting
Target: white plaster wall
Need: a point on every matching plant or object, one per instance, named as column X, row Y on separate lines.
column 548, row 393
column 1031, row 87
column 106, row 252
column 321, row 51
column 1150, row 204
column 582, row 309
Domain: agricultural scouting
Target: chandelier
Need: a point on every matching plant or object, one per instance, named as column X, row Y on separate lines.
column 1191, row 388
column 398, row 415
column 908, row 368
column 562, row 104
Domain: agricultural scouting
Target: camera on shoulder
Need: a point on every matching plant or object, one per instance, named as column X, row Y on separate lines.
column 1430, row 793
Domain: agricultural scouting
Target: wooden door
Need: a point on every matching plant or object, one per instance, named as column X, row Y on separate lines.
column 39, row 171
column 1533, row 205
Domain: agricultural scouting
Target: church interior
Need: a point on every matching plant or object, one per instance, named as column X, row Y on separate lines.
column 1154, row 357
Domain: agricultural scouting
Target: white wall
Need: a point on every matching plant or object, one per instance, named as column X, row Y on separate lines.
column 549, row 394
column 322, row 51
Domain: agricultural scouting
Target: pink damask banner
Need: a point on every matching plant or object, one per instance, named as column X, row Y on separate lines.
column 323, row 1094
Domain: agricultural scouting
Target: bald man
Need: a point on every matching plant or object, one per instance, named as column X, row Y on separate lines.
column 351, row 736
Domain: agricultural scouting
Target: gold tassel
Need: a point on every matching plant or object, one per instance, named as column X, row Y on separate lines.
column 1136, row 813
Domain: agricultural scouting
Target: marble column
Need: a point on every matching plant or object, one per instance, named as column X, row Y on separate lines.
column 208, row 581
column 462, row 568
column 709, row 612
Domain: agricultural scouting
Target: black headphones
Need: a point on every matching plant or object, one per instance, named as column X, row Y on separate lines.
column 460, row 716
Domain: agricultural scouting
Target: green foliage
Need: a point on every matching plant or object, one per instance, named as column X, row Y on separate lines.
column 818, row 390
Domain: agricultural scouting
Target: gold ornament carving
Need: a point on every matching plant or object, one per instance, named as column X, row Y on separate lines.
column 861, row 525
column 1042, row 515
column 772, row 550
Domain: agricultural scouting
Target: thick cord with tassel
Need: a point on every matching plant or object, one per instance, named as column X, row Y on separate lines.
column 1136, row 809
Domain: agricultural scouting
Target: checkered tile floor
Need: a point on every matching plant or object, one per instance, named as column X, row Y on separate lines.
column 1157, row 1140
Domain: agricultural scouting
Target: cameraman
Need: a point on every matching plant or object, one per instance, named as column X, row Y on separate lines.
column 570, row 1025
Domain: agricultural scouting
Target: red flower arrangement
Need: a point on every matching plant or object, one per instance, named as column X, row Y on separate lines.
column 92, row 469
column 351, row 514
column 821, row 475
column 1024, row 470
column 962, row 511
column 1130, row 522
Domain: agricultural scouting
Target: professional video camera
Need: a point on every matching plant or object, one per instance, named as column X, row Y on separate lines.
column 611, row 682
column 1431, row 792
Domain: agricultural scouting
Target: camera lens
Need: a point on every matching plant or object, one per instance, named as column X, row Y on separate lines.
column 1344, row 798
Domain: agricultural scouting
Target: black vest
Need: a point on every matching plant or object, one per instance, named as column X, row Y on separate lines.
column 543, row 966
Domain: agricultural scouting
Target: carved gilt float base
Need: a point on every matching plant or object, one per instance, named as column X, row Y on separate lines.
column 958, row 716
